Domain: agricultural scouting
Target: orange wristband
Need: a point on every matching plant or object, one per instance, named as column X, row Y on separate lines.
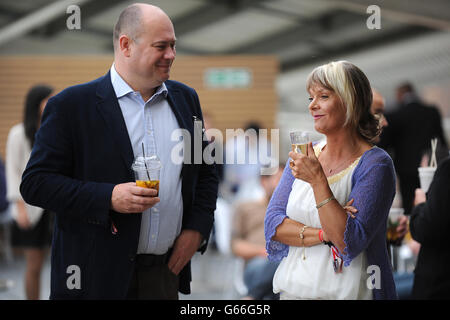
column 321, row 235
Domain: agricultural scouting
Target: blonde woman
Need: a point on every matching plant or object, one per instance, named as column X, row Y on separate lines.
column 325, row 252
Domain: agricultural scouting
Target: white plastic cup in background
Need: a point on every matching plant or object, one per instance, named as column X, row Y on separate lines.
column 426, row 175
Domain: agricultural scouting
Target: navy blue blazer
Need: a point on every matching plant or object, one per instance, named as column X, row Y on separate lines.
column 82, row 150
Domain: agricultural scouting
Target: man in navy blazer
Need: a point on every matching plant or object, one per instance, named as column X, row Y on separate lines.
column 80, row 168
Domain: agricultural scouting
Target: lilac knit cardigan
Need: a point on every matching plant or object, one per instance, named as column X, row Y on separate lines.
column 373, row 188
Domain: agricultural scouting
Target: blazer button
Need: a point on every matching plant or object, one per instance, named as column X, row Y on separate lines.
column 132, row 257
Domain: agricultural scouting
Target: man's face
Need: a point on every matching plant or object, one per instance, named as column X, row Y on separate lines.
column 153, row 52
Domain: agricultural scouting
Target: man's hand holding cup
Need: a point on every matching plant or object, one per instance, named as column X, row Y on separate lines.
column 129, row 198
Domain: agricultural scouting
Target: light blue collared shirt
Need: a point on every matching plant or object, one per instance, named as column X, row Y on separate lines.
column 153, row 122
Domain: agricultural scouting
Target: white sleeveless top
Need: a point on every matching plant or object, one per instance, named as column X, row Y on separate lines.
column 314, row 277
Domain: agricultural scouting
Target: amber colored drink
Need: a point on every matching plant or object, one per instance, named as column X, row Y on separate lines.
column 151, row 184
column 300, row 148
column 392, row 235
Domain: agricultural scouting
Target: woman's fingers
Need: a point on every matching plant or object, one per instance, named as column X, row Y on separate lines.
column 352, row 214
column 350, row 209
column 311, row 152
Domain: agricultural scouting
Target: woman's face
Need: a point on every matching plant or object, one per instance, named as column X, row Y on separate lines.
column 327, row 110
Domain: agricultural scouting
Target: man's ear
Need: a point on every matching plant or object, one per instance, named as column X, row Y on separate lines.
column 125, row 45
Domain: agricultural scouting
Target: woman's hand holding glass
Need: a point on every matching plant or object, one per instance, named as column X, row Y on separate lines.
column 307, row 167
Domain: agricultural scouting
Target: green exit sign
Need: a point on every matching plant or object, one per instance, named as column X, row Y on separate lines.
column 227, row 78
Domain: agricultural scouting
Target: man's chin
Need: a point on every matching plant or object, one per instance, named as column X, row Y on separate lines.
column 164, row 77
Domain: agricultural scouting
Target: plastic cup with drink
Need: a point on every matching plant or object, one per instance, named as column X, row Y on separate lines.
column 393, row 222
column 147, row 171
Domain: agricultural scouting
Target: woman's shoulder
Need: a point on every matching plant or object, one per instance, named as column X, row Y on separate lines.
column 374, row 167
column 374, row 157
column 377, row 155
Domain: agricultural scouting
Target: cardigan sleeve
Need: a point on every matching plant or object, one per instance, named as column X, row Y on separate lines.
column 276, row 213
column 373, row 190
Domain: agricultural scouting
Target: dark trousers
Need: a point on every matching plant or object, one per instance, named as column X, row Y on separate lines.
column 152, row 279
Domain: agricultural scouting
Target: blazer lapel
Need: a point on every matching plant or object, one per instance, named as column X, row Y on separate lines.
column 185, row 120
column 108, row 107
column 176, row 102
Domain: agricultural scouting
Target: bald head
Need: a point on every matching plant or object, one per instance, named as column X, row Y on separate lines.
column 132, row 19
column 144, row 47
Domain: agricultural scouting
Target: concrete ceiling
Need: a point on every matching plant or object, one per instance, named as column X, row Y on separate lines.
column 299, row 32
column 413, row 42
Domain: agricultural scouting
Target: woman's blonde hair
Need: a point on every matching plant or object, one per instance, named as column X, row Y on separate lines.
column 353, row 88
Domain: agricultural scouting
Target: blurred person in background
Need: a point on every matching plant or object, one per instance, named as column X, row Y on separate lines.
column 32, row 228
column 247, row 241
column 378, row 109
column 411, row 127
column 403, row 281
column 242, row 169
column 429, row 224
column 309, row 207
column 4, row 206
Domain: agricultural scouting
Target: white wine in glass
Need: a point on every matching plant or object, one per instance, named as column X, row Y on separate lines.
column 299, row 141
column 300, row 148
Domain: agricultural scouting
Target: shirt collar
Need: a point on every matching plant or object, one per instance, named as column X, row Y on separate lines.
column 122, row 88
column 162, row 89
